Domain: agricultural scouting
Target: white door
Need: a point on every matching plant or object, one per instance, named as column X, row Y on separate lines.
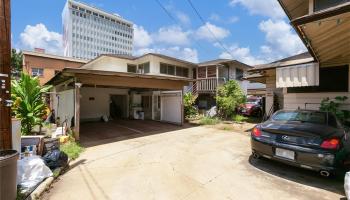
column 171, row 107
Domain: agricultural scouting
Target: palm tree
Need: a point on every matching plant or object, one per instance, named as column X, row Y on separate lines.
column 29, row 104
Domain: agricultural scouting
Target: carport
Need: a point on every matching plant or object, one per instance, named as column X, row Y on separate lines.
column 82, row 95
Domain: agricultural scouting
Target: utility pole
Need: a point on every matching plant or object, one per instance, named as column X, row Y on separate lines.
column 5, row 75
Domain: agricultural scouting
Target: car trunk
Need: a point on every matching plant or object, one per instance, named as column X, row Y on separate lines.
column 298, row 133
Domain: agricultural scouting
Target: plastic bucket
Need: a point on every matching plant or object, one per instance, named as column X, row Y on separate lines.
column 8, row 174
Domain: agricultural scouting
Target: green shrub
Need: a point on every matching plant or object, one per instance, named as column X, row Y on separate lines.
column 29, row 105
column 189, row 109
column 239, row 118
column 228, row 98
column 72, row 149
column 333, row 106
column 209, row 121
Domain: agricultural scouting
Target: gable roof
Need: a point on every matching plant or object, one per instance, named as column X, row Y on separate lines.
column 298, row 59
column 221, row 62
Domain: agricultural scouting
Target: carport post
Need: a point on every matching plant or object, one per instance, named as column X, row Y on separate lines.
column 77, row 111
column 182, row 108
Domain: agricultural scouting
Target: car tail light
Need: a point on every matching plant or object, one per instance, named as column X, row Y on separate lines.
column 330, row 143
column 256, row 132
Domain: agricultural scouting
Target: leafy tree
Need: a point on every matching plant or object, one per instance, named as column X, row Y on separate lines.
column 228, row 98
column 16, row 63
column 333, row 106
column 189, row 101
column 29, row 104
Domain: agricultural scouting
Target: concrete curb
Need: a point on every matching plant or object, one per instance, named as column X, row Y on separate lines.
column 36, row 194
column 41, row 188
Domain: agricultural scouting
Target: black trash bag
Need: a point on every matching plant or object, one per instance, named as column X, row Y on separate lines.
column 55, row 159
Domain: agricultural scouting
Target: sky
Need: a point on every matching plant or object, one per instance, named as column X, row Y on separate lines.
column 250, row 31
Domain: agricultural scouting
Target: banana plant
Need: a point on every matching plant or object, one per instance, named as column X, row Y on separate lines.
column 29, row 104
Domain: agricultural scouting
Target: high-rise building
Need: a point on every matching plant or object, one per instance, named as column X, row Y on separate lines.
column 89, row 32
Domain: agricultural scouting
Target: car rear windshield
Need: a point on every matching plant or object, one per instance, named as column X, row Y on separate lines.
column 307, row 116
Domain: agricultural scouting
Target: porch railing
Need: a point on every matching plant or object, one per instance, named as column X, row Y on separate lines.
column 206, row 85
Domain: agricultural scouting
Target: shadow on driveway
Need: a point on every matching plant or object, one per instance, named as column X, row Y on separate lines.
column 98, row 133
column 299, row 175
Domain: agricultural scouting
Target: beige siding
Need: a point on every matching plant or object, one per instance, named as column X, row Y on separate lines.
column 298, row 100
column 271, row 90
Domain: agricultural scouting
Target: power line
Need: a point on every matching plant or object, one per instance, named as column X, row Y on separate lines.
column 176, row 22
column 211, row 32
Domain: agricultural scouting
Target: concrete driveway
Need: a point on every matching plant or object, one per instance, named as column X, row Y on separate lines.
column 190, row 163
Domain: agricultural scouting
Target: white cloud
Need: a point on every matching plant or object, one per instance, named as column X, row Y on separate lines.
column 241, row 54
column 183, row 18
column 39, row 37
column 206, row 32
column 280, row 39
column 233, row 19
column 172, row 35
column 187, row 54
column 141, row 37
column 215, row 17
column 269, row 8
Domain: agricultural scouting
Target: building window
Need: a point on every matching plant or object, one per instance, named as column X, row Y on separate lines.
column 144, row 68
column 131, row 68
column 239, row 74
column 182, row 71
column 163, row 68
column 327, row 83
column 171, row 69
column 37, row 72
column 211, row 71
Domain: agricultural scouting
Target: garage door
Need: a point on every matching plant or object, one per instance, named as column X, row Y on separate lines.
column 171, row 107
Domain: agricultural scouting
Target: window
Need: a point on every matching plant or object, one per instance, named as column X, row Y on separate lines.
column 144, row 68
column 327, row 78
column 131, row 68
column 182, row 71
column 239, row 74
column 211, row 72
column 37, row 72
column 171, row 69
column 163, row 68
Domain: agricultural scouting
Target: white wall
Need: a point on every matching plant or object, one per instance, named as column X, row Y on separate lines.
column 94, row 109
column 109, row 64
column 63, row 103
column 298, row 100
